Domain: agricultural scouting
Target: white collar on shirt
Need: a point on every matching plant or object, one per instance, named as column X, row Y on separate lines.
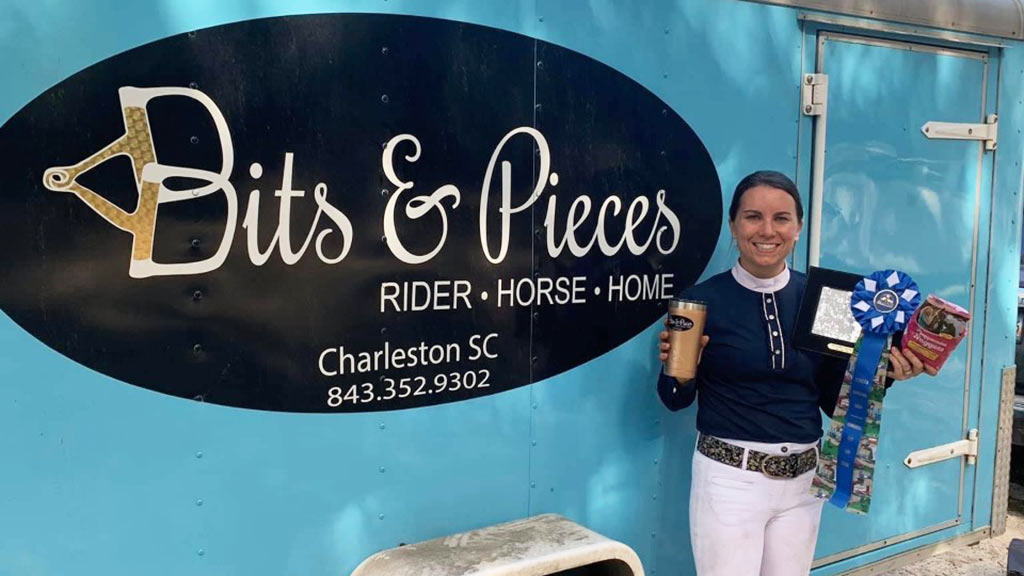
column 762, row 285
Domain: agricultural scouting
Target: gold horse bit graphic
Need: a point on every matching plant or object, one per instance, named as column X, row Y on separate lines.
column 150, row 175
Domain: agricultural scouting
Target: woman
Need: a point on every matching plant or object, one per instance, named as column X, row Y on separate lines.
column 758, row 396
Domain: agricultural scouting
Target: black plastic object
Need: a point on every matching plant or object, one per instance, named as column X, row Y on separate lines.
column 1015, row 558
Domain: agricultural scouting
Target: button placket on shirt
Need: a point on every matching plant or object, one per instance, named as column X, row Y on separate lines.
column 776, row 345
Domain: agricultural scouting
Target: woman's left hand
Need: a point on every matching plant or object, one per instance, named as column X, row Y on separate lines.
column 904, row 364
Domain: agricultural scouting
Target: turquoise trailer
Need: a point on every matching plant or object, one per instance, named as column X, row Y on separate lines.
column 289, row 284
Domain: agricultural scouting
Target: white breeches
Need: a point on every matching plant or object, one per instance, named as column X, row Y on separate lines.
column 743, row 523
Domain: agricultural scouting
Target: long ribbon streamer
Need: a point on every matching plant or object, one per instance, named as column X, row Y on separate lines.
column 881, row 303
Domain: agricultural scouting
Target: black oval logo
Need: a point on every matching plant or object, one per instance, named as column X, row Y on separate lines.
column 679, row 323
column 348, row 213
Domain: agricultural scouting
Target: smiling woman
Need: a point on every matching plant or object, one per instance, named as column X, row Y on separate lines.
column 751, row 508
column 765, row 219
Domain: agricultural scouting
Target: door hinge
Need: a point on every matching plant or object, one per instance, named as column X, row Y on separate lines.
column 989, row 131
column 968, row 448
column 814, row 94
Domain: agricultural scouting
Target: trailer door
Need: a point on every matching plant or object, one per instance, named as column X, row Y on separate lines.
column 893, row 197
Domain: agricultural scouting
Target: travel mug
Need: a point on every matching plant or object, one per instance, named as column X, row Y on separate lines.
column 685, row 327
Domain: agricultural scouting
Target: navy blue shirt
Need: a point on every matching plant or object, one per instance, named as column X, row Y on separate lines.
column 752, row 384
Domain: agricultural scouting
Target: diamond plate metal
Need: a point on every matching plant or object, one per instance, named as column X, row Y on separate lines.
column 1001, row 477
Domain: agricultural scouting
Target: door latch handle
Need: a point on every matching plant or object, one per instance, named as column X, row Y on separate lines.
column 989, row 131
column 968, row 448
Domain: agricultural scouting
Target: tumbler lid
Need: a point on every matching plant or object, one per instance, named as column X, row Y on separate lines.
column 681, row 304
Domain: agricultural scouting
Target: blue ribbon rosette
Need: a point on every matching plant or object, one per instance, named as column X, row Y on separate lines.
column 882, row 304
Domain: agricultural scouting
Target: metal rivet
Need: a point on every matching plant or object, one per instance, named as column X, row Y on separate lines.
column 384, row 50
column 807, row 109
column 192, row 34
column 665, row 75
column 193, row 85
column 198, row 348
column 534, row 443
column 384, row 239
column 199, row 502
column 381, row 470
column 533, row 484
column 199, row 454
column 536, row 106
column 380, row 516
column 384, row 330
column 382, row 426
column 809, row 79
column 384, row 98
column 540, row 19
column 384, row 192
column 201, row 552
column 535, row 359
column 195, row 242
column 194, row 139
column 540, row 65
column 534, row 405
column 197, row 295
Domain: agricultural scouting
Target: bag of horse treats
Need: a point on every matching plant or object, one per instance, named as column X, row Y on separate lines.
column 935, row 330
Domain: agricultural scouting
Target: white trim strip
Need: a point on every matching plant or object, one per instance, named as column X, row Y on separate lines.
column 768, row 325
column 778, row 321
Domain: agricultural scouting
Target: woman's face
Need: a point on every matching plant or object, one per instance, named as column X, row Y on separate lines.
column 766, row 228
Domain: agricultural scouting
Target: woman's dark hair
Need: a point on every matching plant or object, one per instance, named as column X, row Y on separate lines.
column 771, row 179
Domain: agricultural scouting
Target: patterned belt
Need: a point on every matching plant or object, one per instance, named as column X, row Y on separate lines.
column 771, row 465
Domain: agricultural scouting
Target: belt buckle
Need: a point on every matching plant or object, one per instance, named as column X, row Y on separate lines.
column 784, row 472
